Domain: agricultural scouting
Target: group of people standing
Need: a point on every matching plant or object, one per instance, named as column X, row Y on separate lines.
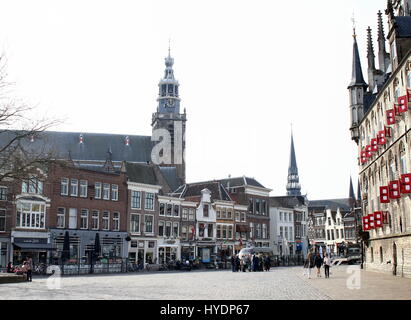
column 25, row 269
column 315, row 260
column 251, row 262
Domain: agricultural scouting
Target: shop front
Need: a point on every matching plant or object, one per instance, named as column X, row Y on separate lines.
column 35, row 245
column 113, row 245
column 188, row 252
column 143, row 250
column 168, row 250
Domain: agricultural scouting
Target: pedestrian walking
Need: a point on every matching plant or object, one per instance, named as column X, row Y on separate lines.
column 327, row 264
column 318, row 261
column 267, row 263
column 310, row 263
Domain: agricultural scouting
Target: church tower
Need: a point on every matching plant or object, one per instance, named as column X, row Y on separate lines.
column 168, row 124
column 293, row 184
column 357, row 89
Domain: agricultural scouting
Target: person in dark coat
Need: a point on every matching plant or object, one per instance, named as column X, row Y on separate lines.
column 267, row 263
column 237, row 263
column 318, row 261
column 233, row 264
column 10, row 268
column 255, row 262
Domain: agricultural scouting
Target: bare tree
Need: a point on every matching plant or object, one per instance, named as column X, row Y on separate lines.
column 21, row 144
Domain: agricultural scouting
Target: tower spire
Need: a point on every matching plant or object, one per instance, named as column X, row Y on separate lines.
column 351, row 195
column 371, row 61
column 357, row 78
column 293, row 185
column 383, row 56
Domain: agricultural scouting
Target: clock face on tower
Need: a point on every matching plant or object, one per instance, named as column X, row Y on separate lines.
column 170, row 102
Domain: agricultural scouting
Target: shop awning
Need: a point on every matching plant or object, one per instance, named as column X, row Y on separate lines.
column 242, row 228
column 33, row 246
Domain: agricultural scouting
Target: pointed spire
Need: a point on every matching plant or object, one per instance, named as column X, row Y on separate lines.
column 383, row 57
column 293, row 185
column 370, row 50
column 357, row 78
column 351, row 194
column 358, row 191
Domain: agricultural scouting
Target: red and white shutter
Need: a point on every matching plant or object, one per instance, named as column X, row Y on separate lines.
column 371, row 221
column 374, row 144
column 402, row 104
column 381, row 137
column 384, row 194
column 394, row 187
column 365, row 223
column 390, row 116
column 363, row 157
column 406, row 183
column 378, row 219
column 368, row 152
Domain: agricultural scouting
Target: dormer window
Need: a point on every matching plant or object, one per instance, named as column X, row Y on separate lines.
column 81, row 139
column 127, row 141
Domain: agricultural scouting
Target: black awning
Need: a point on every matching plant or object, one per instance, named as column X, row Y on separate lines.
column 33, row 246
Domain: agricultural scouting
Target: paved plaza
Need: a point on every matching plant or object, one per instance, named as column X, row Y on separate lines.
column 286, row 283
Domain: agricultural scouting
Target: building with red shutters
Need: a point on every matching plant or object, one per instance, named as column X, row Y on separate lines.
column 380, row 126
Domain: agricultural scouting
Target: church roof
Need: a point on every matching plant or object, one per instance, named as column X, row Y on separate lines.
column 241, row 181
column 332, row 204
column 287, row 201
column 90, row 146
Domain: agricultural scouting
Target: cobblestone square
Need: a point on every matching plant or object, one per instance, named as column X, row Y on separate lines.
column 278, row 284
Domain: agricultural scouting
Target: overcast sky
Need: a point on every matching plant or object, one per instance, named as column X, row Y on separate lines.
column 247, row 70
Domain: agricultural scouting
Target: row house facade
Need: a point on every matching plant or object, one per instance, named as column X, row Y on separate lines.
column 329, row 225
column 221, row 228
column 380, row 126
column 288, row 220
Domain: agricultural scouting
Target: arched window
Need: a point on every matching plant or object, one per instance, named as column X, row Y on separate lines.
column 392, row 166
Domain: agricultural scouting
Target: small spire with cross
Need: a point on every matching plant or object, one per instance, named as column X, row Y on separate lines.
column 353, row 24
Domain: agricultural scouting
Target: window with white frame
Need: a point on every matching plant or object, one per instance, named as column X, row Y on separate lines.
column 106, row 220
column 95, row 220
column 31, row 215
column 230, row 232
column 168, row 229
column 2, row 220
column 84, row 219
column 281, row 216
column 162, row 208
column 286, row 233
column 243, row 217
column 169, row 209
column 135, row 223
column 116, row 221
column 237, row 216
column 251, row 230
column 135, row 199
column 161, row 228
column 176, row 211
column 281, row 232
column 219, row 233
column 73, row 218
column 264, row 231
column 191, row 214
column 176, row 227
column 184, row 232
column 83, row 188
column 61, row 217
column 106, row 191
column 97, row 190
column 114, row 192
column 149, row 203
column 74, row 187
column 229, row 215
column 3, row 193
column 184, row 214
column 148, row 223
column 32, row 185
